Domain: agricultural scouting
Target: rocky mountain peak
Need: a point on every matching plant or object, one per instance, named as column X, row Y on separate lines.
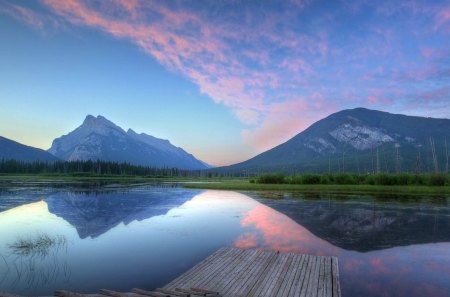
column 100, row 139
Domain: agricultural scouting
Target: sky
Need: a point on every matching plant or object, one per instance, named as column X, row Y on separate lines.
column 225, row 80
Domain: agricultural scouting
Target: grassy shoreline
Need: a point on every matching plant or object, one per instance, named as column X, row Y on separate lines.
column 69, row 178
column 243, row 186
column 232, row 184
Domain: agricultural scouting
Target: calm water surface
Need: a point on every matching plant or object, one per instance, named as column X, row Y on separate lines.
column 144, row 236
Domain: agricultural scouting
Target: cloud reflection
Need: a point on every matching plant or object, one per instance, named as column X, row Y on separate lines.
column 277, row 232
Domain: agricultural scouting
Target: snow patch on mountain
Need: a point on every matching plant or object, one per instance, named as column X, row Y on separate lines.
column 320, row 145
column 360, row 137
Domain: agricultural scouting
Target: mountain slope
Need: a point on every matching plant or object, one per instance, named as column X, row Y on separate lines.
column 10, row 149
column 358, row 140
column 100, row 139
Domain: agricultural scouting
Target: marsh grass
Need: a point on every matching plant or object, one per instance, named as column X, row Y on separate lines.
column 331, row 188
column 39, row 245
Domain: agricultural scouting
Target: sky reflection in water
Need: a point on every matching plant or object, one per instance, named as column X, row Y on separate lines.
column 146, row 236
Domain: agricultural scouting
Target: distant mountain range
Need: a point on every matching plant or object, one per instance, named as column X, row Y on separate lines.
column 10, row 149
column 353, row 140
column 358, row 140
column 100, row 139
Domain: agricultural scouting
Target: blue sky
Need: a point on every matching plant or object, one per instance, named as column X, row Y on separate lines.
column 225, row 80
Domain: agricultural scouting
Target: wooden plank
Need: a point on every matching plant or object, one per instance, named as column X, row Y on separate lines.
column 289, row 290
column 321, row 280
column 148, row 293
column 328, row 278
column 246, row 273
column 172, row 292
column 223, row 278
column 308, row 276
column 287, row 284
column 314, row 280
column 4, row 294
column 275, row 278
column 262, row 274
column 222, row 267
column 211, row 264
column 216, row 256
column 207, row 292
column 272, row 281
column 336, row 285
column 239, row 273
column 299, row 277
column 194, row 271
column 225, row 272
column 210, row 277
column 254, row 273
column 112, row 293
column 62, row 293
column 191, row 292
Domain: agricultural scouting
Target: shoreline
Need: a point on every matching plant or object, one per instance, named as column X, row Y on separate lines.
column 229, row 184
column 241, row 186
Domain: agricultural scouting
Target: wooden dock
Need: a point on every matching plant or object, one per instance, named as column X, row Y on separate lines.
column 233, row 272
column 248, row 272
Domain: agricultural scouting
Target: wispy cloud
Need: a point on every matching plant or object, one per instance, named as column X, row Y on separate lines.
column 280, row 66
column 22, row 14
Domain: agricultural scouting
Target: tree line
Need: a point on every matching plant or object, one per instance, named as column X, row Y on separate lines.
column 383, row 179
column 88, row 167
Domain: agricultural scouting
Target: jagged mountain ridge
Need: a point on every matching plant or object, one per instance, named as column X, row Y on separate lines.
column 12, row 150
column 100, row 139
column 351, row 140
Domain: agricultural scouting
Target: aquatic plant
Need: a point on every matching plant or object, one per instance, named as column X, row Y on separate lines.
column 38, row 245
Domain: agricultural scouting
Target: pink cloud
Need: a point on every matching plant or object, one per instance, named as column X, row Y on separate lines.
column 188, row 43
column 286, row 119
column 442, row 19
column 276, row 77
column 23, row 14
column 436, row 94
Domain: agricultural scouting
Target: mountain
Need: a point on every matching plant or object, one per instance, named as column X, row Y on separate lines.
column 10, row 149
column 100, row 139
column 358, row 140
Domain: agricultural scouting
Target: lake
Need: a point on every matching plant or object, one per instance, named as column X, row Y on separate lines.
column 84, row 238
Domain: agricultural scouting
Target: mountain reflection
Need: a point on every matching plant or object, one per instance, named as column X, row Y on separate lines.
column 95, row 213
column 384, row 259
column 366, row 223
column 385, row 248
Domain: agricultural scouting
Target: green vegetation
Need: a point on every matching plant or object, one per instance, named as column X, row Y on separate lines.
column 381, row 179
column 88, row 168
column 342, row 182
column 246, row 186
column 86, row 179
column 38, row 245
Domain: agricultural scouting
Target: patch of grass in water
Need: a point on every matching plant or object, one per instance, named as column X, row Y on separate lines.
column 38, row 245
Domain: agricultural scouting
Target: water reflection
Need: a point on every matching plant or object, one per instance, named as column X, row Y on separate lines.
column 94, row 213
column 378, row 252
column 145, row 236
column 35, row 260
column 364, row 223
